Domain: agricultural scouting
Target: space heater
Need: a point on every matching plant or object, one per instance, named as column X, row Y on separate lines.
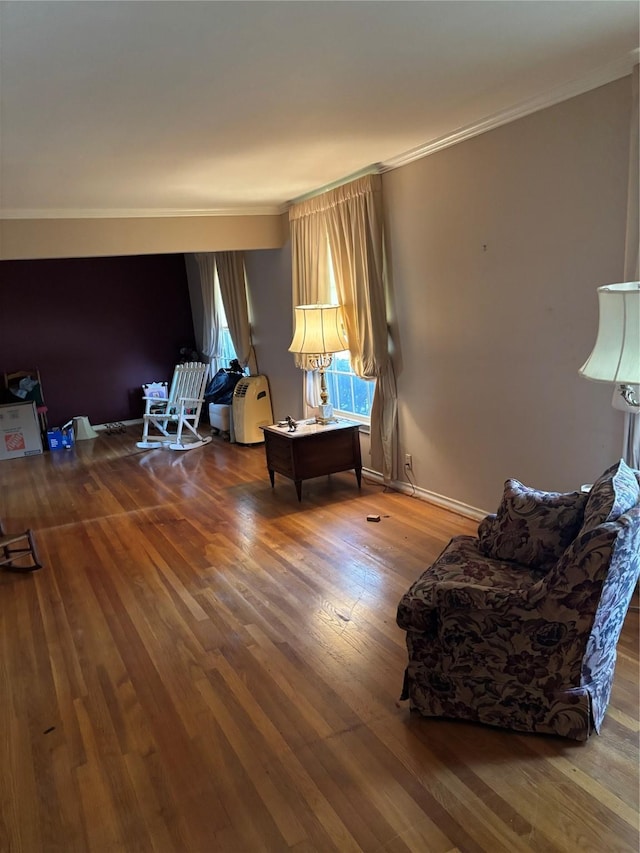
column 251, row 409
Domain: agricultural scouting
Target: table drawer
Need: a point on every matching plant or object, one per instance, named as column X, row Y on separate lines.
column 280, row 457
column 326, row 454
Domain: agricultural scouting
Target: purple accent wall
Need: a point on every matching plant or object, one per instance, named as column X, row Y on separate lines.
column 97, row 328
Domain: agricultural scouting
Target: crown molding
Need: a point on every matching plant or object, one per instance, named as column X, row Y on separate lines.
column 149, row 213
column 598, row 77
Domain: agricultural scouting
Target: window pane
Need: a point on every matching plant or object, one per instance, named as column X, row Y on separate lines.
column 345, row 397
column 347, row 392
column 227, row 352
column 341, row 362
column 361, row 396
column 225, row 348
column 332, row 389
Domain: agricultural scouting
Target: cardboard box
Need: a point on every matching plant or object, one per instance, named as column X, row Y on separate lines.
column 19, row 430
column 60, row 438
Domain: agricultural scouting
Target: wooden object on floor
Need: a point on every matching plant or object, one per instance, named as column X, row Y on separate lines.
column 18, row 551
column 313, row 450
column 208, row 665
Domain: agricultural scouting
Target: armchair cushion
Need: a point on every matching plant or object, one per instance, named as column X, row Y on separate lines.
column 461, row 578
column 612, row 494
column 532, row 527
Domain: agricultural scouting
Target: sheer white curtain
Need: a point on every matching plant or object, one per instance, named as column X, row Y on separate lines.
column 233, row 289
column 631, row 449
column 210, row 336
column 350, row 218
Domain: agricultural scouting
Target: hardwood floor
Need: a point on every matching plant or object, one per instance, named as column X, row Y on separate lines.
column 205, row 664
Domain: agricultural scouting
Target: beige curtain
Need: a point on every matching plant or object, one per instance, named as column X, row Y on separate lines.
column 354, row 217
column 210, row 337
column 631, row 448
column 310, row 281
column 233, row 289
column 350, row 218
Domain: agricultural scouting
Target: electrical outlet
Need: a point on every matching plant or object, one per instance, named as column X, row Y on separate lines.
column 408, row 462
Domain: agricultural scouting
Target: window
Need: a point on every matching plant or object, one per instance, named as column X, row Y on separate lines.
column 348, row 394
column 225, row 347
column 227, row 352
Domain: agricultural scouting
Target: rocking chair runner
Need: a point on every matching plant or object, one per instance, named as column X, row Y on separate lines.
column 18, row 551
column 182, row 408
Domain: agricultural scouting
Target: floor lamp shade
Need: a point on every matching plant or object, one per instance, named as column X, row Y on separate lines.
column 616, row 354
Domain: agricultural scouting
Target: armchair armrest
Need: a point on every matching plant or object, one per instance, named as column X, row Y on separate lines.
column 454, row 595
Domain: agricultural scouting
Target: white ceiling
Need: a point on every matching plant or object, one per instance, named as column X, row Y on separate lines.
column 134, row 108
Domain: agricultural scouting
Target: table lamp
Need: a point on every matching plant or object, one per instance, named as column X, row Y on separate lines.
column 319, row 333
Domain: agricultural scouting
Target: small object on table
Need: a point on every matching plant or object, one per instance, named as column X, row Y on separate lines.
column 290, row 423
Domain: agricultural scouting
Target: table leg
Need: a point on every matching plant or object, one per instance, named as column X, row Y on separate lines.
column 359, row 476
column 299, row 489
column 272, row 477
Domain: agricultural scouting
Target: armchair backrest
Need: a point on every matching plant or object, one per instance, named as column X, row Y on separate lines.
column 617, row 589
column 590, row 589
column 610, row 520
column 593, row 558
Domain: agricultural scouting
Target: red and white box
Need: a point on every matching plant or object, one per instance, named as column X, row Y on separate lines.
column 19, row 431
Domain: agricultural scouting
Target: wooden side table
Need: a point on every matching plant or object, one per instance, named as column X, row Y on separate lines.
column 312, row 451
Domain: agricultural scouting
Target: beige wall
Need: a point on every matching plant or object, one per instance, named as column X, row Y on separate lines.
column 270, row 302
column 488, row 341
column 497, row 246
column 82, row 238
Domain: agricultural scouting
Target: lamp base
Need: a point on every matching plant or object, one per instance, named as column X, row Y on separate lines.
column 626, row 398
column 325, row 414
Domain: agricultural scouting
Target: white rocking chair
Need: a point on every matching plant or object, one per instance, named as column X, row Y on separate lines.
column 182, row 407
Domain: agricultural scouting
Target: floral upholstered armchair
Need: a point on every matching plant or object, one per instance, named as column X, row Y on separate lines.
column 518, row 626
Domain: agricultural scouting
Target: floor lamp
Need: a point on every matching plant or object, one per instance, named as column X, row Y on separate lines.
column 319, row 333
column 616, row 356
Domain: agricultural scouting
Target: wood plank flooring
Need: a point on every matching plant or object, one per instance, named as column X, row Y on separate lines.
column 205, row 665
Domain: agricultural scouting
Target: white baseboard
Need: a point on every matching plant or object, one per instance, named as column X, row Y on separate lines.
column 430, row 497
